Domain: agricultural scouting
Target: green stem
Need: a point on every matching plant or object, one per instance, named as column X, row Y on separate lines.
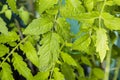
column 13, row 50
column 100, row 16
column 107, row 68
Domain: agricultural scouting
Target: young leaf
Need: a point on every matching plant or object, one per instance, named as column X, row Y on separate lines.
column 63, row 28
column 6, row 73
column 101, row 43
column 82, row 43
column 41, row 76
column 12, row 4
column 21, row 67
column 3, row 28
column 68, row 59
column 30, row 52
column 49, row 51
column 39, row 26
column 58, row 75
column 86, row 61
column 3, row 50
column 111, row 22
column 117, row 2
column 43, row 5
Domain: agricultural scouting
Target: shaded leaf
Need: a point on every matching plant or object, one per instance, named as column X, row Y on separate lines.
column 49, row 51
column 3, row 28
column 38, row 26
column 30, row 52
column 89, row 4
column 6, row 73
column 41, row 76
column 3, row 50
column 111, row 22
column 21, row 67
column 101, row 43
column 68, row 72
column 86, row 61
column 68, row 59
column 12, row 4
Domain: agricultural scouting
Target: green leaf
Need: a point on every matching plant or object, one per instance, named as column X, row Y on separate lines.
column 49, row 51
column 10, row 37
column 89, row 4
column 21, row 67
column 8, row 14
column 68, row 72
column 58, row 75
column 117, row 2
column 30, row 52
column 39, row 26
column 6, row 73
column 24, row 15
column 43, row 5
column 3, row 28
column 63, row 28
column 41, row 76
column 101, row 43
column 98, row 73
column 12, row 4
column 86, row 61
column 71, row 8
column 68, row 59
column 111, row 22
column 82, row 43
column 3, row 50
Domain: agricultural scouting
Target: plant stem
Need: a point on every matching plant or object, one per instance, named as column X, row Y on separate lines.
column 13, row 50
column 107, row 68
column 100, row 16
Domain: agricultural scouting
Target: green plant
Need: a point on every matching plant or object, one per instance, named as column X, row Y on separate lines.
column 47, row 50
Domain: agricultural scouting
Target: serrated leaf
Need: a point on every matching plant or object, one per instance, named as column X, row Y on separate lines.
column 71, row 8
column 10, row 37
column 43, row 5
column 3, row 28
column 101, row 43
column 111, row 22
column 12, row 4
column 3, row 50
column 68, row 59
column 58, row 75
column 63, row 28
column 41, row 76
column 82, row 43
column 21, row 67
column 100, row 75
column 30, row 52
column 8, row 14
column 38, row 26
column 68, row 72
column 49, row 51
column 6, row 73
